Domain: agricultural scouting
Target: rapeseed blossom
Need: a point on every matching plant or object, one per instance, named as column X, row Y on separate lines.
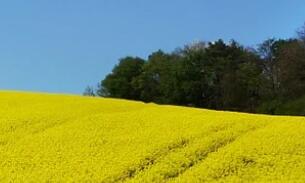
column 62, row 138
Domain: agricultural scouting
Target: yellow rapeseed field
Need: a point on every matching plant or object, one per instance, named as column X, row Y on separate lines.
column 64, row 138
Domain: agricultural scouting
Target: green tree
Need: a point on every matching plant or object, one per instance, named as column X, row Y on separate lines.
column 192, row 74
column 239, row 75
column 118, row 84
column 248, row 85
column 157, row 81
column 292, row 69
column 215, row 75
column 210, row 75
column 269, row 51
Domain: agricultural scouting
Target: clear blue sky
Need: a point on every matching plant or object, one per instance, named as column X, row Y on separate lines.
column 63, row 45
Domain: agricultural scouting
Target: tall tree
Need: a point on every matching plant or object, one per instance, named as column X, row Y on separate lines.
column 269, row 51
column 292, row 67
column 157, row 81
column 192, row 74
column 118, row 84
column 238, row 75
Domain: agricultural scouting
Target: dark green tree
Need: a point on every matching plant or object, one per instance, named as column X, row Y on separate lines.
column 192, row 74
column 237, row 77
column 269, row 51
column 292, row 69
column 118, row 84
column 215, row 75
column 157, row 81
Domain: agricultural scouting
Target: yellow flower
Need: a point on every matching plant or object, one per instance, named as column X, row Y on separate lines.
column 66, row 138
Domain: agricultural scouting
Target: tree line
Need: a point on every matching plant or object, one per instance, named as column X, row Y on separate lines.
column 215, row 75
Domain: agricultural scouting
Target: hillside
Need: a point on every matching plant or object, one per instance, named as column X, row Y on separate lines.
column 61, row 138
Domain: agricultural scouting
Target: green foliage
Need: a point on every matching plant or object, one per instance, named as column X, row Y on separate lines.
column 157, row 80
column 215, row 75
column 269, row 107
column 118, row 84
column 294, row 107
column 291, row 107
column 292, row 69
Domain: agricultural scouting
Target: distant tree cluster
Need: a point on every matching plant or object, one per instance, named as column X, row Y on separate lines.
column 215, row 75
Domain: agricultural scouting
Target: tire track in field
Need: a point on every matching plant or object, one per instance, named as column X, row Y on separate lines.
column 146, row 162
column 214, row 148
column 150, row 161
column 169, row 167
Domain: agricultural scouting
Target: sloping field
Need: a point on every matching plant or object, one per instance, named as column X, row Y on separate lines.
column 60, row 138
